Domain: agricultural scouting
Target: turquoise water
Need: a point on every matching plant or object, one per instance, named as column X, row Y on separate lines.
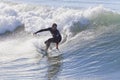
column 89, row 50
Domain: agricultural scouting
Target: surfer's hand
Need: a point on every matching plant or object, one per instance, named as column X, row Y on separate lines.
column 34, row 33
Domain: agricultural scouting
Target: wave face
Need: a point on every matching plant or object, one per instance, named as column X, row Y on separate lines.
column 89, row 49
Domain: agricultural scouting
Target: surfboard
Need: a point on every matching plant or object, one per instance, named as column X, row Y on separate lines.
column 51, row 52
column 54, row 52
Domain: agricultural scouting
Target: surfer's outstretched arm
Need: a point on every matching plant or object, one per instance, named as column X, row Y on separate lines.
column 47, row 29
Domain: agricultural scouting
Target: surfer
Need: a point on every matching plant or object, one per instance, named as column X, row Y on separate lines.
column 55, row 33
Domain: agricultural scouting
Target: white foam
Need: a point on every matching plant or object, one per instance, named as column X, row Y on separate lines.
column 15, row 49
column 70, row 21
column 8, row 18
column 8, row 23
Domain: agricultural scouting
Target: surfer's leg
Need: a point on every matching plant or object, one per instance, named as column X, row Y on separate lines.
column 57, row 41
column 48, row 43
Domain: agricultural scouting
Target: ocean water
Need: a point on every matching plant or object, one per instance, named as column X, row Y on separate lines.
column 89, row 49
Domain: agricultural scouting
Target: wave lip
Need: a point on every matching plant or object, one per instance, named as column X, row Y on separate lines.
column 70, row 21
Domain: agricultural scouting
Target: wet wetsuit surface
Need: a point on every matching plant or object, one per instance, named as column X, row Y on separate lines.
column 55, row 33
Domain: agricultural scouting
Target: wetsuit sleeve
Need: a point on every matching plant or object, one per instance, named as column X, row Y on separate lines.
column 47, row 29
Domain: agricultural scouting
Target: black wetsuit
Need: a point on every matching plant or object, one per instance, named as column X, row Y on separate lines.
column 55, row 33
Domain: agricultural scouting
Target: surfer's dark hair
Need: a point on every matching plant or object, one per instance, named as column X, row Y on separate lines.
column 54, row 24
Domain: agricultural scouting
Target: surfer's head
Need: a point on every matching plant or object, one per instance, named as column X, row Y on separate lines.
column 54, row 26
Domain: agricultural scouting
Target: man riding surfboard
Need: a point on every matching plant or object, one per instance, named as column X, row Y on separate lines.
column 56, row 36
